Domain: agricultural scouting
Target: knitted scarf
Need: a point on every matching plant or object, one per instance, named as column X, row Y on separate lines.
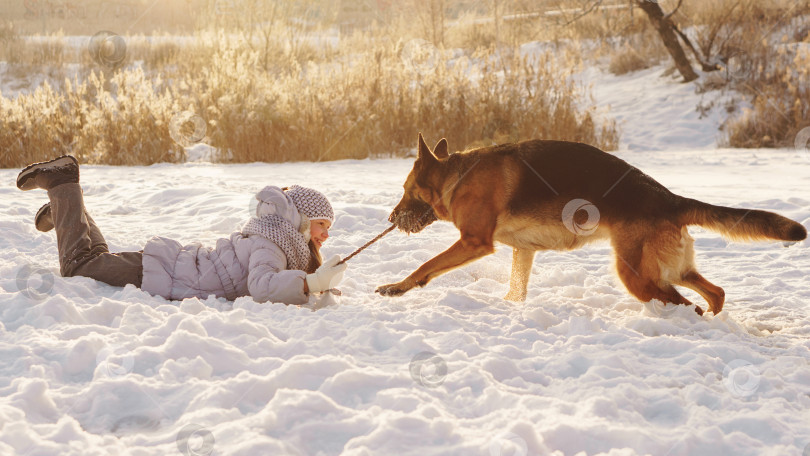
column 286, row 236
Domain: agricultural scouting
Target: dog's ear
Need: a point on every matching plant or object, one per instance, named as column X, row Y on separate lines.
column 425, row 155
column 440, row 151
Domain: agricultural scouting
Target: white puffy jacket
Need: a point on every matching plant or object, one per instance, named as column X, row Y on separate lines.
column 238, row 266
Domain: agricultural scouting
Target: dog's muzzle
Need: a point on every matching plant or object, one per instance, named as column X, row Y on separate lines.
column 413, row 220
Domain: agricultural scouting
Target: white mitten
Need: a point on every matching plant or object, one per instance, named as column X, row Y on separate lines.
column 327, row 276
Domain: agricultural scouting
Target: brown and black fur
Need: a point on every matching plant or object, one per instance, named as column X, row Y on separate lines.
column 515, row 194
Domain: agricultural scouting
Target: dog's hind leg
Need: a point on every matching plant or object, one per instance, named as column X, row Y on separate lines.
column 639, row 263
column 646, row 289
column 522, row 260
column 713, row 294
column 676, row 254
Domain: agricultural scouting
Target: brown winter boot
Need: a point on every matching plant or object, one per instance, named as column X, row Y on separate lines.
column 43, row 220
column 49, row 174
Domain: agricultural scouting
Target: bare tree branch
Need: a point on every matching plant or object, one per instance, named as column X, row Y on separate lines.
column 714, row 31
column 707, row 67
column 680, row 2
column 584, row 13
column 667, row 30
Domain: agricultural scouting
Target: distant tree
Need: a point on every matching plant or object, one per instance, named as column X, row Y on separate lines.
column 669, row 33
column 431, row 14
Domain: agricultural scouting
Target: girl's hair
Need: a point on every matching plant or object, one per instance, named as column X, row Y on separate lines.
column 315, row 258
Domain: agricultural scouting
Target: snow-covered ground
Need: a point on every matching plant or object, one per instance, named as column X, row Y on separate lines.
column 654, row 111
column 580, row 368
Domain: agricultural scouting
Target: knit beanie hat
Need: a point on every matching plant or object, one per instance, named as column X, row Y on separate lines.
column 310, row 203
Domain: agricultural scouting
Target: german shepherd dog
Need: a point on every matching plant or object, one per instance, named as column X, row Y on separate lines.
column 558, row 195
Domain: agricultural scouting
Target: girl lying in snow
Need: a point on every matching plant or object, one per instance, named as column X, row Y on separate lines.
column 276, row 257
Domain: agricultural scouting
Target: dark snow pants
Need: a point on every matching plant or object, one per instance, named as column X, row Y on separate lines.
column 82, row 249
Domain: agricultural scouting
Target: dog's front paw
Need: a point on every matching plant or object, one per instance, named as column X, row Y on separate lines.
column 393, row 289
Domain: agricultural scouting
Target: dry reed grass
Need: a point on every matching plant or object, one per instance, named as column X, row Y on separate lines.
column 764, row 51
column 636, row 52
column 268, row 92
column 780, row 101
column 276, row 96
column 117, row 121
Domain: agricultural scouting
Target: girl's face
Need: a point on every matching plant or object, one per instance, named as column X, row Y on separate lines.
column 319, row 231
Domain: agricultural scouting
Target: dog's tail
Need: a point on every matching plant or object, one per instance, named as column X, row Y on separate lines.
column 740, row 224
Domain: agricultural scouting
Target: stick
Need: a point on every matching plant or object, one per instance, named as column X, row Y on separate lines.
column 379, row 236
